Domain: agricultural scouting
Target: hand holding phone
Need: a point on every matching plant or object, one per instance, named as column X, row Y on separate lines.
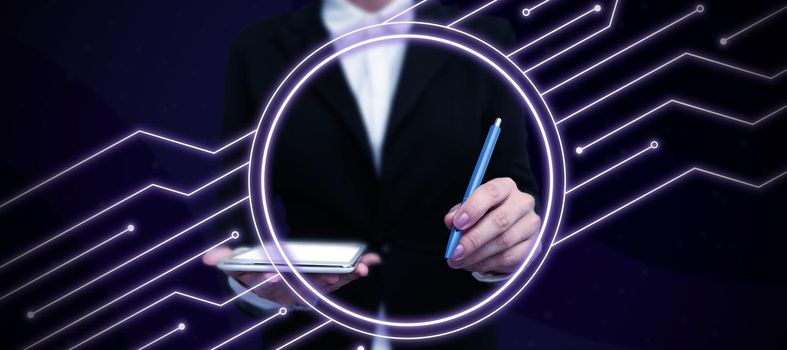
column 275, row 290
column 305, row 256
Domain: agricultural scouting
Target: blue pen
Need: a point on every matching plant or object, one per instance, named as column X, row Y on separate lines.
column 475, row 180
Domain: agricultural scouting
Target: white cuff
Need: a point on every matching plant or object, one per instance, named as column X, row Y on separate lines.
column 490, row 277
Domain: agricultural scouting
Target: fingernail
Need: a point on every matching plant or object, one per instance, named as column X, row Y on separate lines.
column 461, row 220
column 459, row 253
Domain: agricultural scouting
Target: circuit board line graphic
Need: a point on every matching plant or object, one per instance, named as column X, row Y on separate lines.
column 680, row 103
column 572, row 46
column 625, row 161
column 304, row 334
column 662, row 186
column 281, row 312
column 662, row 66
column 180, row 327
column 128, row 229
column 167, row 297
column 114, row 205
column 471, row 13
column 31, row 314
column 594, row 9
column 96, row 310
column 653, row 145
column 405, row 11
column 131, row 136
column 527, row 11
column 726, row 40
column 629, row 47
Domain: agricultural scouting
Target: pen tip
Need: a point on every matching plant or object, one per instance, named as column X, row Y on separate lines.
column 498, row 121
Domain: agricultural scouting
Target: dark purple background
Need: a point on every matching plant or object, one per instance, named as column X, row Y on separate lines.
column 698, row 265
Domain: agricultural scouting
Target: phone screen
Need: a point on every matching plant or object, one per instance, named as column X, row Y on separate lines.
column 300, row 253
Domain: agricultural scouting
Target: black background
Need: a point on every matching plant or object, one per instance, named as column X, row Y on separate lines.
column 696, row 265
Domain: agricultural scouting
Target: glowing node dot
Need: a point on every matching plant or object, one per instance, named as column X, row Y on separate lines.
column 181, row 326
column 723, row 41
column 654, row 144
column 597, row 8
column 360, row 347
column 130, row 228
column 30, row 314
column 525, row 12
column 283, row 311
column 579, row 150
column 700, row 8
column 235, row 234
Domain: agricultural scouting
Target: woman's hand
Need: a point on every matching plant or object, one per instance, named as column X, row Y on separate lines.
column 499, row 228
column 277, row 291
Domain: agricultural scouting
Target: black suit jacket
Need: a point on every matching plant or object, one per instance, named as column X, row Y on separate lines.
column 323, row 173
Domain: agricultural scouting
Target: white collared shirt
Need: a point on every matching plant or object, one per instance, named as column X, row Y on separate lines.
column 372, row 71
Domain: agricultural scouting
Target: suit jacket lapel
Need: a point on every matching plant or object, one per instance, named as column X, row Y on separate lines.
column 306, row 33
column 421, row 64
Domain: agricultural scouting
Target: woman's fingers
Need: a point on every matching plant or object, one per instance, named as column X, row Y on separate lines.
column 370, row 259
column 330, row 279
column 213, row 256
column 448, row 219
column 504, row 262
column 525, row 228
column 361, row 270
column 269, row 285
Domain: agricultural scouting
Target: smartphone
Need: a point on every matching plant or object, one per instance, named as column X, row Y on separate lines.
column 305, row 256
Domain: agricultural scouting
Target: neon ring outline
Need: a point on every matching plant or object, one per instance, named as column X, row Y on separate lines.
column 556, row 182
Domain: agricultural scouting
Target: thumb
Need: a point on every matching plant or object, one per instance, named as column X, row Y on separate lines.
column 449, row 217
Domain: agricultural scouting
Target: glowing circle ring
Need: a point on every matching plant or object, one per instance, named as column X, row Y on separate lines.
column 553, row 203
